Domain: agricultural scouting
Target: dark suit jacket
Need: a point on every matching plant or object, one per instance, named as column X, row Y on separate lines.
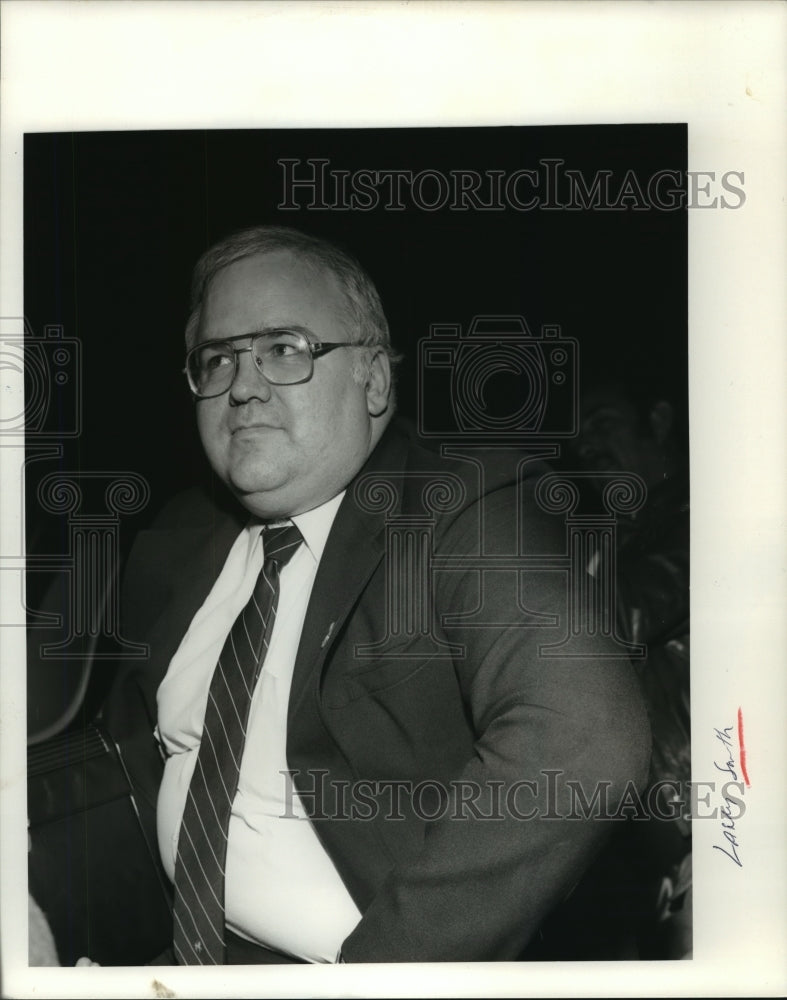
column 469, row 704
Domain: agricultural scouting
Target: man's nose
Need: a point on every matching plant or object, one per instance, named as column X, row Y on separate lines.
column 249, row 382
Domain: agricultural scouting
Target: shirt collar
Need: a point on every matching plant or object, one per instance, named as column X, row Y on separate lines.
column 315, row 525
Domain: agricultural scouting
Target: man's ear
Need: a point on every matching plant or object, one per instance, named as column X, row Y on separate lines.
column 661, row 419
column 378, row 382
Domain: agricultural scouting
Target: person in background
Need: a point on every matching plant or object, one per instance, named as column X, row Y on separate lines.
column 635, row 426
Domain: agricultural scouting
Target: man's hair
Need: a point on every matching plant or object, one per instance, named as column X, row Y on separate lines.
column 369, row 326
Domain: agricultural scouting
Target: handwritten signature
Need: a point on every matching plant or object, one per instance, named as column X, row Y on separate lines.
column 729, row 767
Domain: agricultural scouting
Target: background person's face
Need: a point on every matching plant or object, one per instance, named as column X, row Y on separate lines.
column 611, row 438
column 285, row 449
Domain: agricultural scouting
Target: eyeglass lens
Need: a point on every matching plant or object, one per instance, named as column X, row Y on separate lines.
column 283, row 357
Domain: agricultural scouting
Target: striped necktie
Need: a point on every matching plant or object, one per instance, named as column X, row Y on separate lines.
column 198, row 931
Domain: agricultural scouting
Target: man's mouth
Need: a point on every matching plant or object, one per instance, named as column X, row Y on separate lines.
column 253, row 427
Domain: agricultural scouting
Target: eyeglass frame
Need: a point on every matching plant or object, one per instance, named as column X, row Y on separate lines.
column 316, row 350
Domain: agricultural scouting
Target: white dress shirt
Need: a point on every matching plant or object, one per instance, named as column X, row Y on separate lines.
column 281, row 888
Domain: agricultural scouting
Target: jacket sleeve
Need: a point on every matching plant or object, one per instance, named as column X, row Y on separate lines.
column 556, row 738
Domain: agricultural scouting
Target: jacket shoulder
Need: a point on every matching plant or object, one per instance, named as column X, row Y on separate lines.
column 455, row 482
column 198, row 507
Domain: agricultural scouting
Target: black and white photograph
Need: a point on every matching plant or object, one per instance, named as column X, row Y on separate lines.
column 361, row 513
column 467, row 690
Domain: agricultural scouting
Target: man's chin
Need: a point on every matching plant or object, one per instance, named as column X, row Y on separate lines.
column 255, row 483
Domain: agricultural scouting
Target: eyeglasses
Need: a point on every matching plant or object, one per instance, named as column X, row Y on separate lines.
column 284, row 357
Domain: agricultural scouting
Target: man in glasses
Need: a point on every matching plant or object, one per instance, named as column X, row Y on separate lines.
column 289, row 416
column 353, row 772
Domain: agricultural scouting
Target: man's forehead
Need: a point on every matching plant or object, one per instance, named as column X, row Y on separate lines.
column 282, row 264
column 271, row 288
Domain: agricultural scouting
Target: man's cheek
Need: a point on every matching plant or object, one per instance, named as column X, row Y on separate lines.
column 208, row 425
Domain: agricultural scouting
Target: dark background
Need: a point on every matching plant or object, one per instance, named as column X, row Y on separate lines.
column 114, row 222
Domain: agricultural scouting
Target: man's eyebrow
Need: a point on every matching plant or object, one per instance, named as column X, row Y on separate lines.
column 281, row 328
column 265, row 328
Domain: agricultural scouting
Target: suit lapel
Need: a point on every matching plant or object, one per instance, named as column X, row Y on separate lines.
column 355, row 546
column 194, row 556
